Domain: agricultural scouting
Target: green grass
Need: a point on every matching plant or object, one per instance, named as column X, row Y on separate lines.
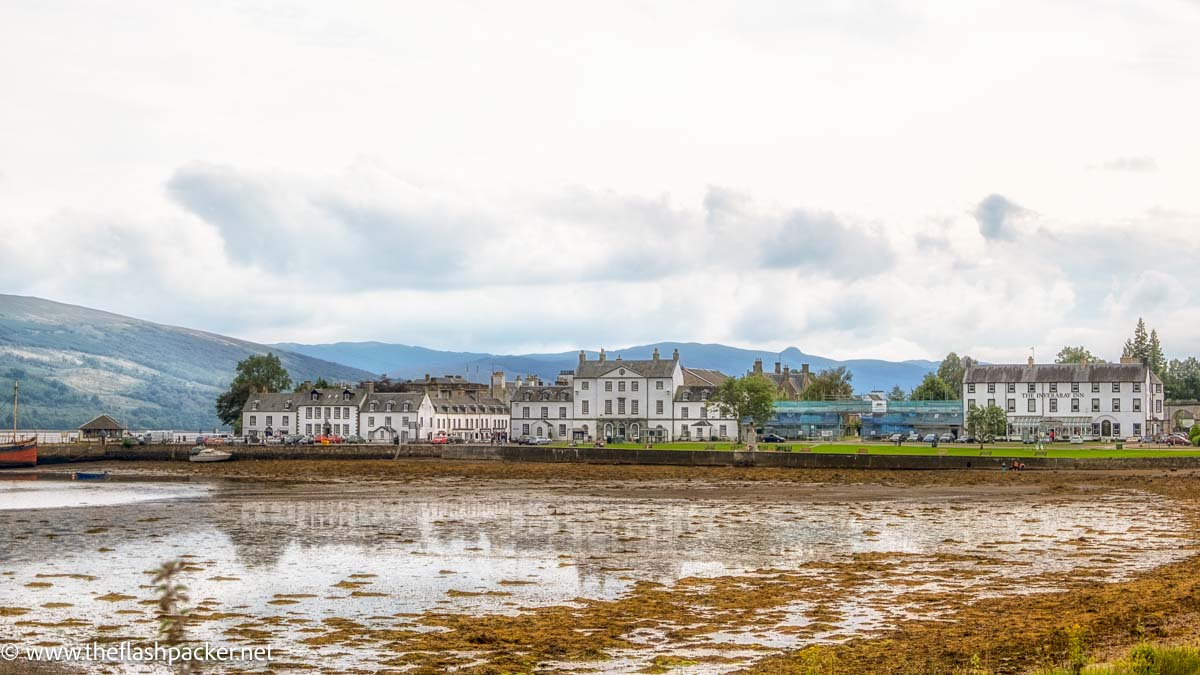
column 1065, row 451
column 1143, row 659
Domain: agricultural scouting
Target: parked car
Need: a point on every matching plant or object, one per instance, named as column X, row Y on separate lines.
column 895, row 438
column 540, row 440
column 1174, row 440
column 914, row 437
column 356, row 439
column 946, row 438
column 930, row 438
column 440, row 440
column 773, row 438
column 965, row 438
column 458, row 439
column 1076, row 439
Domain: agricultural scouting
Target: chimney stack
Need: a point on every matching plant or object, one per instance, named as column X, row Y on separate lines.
column 654, row 356
column 370, row 387
column 675, row 356
column 758, row 366
column 498, row 384
column 786, row 370
column 603, row 357
column 777, row 367
column 1030, row 361
column 804, row 369
column 582, row 356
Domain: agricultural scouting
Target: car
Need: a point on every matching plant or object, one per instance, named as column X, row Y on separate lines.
column 773, row 438
column 914, row 437
column 457, row 439
column 540, row 440
column 1076, row 439
column 293, row 439
column 930, row 438
column 274, row 440
column 895, row 438
column 440, row 440
column 946, row 438
column 1174, row 440
column 965, row 438
column 356, row 439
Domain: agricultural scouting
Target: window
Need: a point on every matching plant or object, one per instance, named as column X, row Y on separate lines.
column 1012, row 405
column 562, row 412
column 608, row 406
column 308, row 413
column 991, row 402
column 387, row 421
column 1117, row 429
column 584, row 408
column 584, row 385
column 308, row 429
column 406, row 408
column 1074, row 387
column 315, row 396
column 704, row 395
column 253, row 420
column 545, row 412
column 621, row 385
column 687, row 396
column 1137, row 388
column 608, row 385
column 1053, row 405
column 658, row 407
column 337, row 413
column 1031, row 388
column 346, row 396
column 1116, row 387
column 345, row 413
column 1053, row 387
column 285, row 420
column 1096, row 388
column 1137, row 429
column 1012, row 388
column 525, row 429
column 991, row 387
column 525, row 412
column 1137, row 407
column 721, row 431
column 633, row 406
column 620, row 406
column 658, row 384
column 562, row 430
column 1158, row 388
column 1116, row 405
column 1031, row 405
column 545, row 396
column 372, row 406
column 1158, row 406
column 1074, row 405
column 683, row 412
column 254, row 406
column 633, row 385
column 971, row 405
column 703, row 412
column 270, row 421
column 970, row 387
column 326, row 412
column 371, row 422
column 1095, row 405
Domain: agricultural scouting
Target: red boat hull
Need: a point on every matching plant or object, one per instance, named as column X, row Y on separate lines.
column 23, row 453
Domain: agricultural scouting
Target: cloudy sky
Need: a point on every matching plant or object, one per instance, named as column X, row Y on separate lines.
column 878, row 179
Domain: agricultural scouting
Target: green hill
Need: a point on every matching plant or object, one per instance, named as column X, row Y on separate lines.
column 74, row 363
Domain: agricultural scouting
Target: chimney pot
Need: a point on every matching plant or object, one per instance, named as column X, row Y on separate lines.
column 777, row 367
column 1030, row 361
column 758, row 366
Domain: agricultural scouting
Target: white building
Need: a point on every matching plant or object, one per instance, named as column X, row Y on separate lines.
column 266, row 415
column 389, row 417
column 653, row 399
column 1092, row 400
column 470, row 415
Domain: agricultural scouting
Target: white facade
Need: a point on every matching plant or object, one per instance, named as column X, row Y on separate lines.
column 653, row 399
column 1095, row 401
column 470, row 416
column 391, row 417
column 266, row 415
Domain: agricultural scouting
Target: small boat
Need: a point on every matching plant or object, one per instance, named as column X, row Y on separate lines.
column 203, row 454
column 19, row 452
column 89, row 475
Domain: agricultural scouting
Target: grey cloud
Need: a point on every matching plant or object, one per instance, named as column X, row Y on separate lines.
column 234, row 204
column 997, row 217
column 1143, row 164
column 820, row 240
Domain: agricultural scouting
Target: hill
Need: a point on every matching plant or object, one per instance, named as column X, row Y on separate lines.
column 74, row 363
column 405, row 361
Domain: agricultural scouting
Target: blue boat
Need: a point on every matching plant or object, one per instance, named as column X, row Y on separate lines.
column 89, row 475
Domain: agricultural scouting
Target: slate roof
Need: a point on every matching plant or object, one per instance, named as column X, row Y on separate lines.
column 469, row 403
column 699, row 377
column 536, row 393
column 102, row 423
column 276, row 402
column 331, row 396
column 397, row 399
column 1056, row 372
column 638, row 368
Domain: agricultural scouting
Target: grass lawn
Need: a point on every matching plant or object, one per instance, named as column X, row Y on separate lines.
column 1093, row 451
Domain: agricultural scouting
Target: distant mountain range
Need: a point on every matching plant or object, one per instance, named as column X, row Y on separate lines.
column 75, row 363
column 404, row 361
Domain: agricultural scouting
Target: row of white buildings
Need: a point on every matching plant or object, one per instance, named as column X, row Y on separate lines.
column 655, row 399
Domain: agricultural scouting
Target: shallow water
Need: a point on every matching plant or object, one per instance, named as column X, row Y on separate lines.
column 294, row 556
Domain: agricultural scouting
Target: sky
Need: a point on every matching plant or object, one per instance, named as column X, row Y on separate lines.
column 856, row 179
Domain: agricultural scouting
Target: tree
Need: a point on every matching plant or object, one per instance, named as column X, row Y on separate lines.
column 1181, row 379
column 1078, row 354
column 254, row 373
column 750, row 398
column 951, row 371
column 1139, row 345
column 1154, row 354
column 986, row 421
column 896, row 394
column 829, row 384
column 932, row 388
column 321, row 383
column 1194, row 434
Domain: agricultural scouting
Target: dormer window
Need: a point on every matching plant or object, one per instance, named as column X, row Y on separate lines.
column 687, row 395
column 390, row 405
column 315, row 395
column 254, row 406
column 526, row 396
column 545, row 396
column 287, row 405
column 346, row 395
column 407, row 407
column 704, row 395
column 372, row 406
